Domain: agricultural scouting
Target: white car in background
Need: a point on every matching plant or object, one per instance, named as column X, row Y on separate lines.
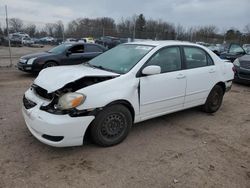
column 128, row 84
column 27, row 41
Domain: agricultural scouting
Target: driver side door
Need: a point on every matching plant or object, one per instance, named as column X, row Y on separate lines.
column 165, row 92
column 74, row 55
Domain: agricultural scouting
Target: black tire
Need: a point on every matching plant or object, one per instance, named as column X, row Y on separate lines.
column 49, row 64
column 111, row 126
column 214, row 100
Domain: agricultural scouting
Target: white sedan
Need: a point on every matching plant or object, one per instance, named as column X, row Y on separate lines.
column 128, row 84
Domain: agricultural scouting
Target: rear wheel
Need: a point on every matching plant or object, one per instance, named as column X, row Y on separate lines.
column 111, row 126
column 214, row 100
column 49, row 64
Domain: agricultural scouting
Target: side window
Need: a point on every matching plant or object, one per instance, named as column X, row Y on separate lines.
column 234, row 48
column 93, row 48
column 77, row 49
column 169, row 59
column 196, row 57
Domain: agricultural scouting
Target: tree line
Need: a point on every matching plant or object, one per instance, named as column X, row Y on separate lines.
column 135, row 26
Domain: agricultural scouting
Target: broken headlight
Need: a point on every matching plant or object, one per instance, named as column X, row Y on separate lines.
column 70, row 100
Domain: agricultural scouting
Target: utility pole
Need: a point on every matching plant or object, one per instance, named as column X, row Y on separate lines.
column 63, row 33
column 134, row 27
column 134, row 31
column 7, row 25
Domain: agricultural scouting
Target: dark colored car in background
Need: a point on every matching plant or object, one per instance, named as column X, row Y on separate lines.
column 242, row 69
column 15, row 40
column 108, row 42
column 232, row 52
column 64, row 54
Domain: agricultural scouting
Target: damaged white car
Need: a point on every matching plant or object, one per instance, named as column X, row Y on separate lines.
column 130, row 83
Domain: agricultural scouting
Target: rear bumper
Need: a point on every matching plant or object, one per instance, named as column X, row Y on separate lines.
column 242, row 75
column 228, row 85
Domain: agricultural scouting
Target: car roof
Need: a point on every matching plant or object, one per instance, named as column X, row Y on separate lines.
column 164, row 43
column 82, row 43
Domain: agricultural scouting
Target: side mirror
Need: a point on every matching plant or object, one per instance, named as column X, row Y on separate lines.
column 151, row 70
column 68, row 53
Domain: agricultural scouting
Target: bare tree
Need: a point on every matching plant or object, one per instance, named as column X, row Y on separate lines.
column 50, row 28
column 16, row 24
column 59, row 29
column 30, row 29
column 180, row 32
column 247, row 28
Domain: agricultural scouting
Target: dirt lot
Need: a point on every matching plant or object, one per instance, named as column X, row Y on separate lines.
column 184, row 149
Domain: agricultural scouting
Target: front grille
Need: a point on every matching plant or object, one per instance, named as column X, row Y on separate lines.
column 42, row 92
column 245, row 64
column 28, row 104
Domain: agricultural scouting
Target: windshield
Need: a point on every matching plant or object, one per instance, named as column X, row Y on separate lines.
column 121, row 58
column 59, row 49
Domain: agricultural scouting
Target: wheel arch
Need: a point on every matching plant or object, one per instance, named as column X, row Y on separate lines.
column 50, row 60
column 222, row 85
column 123, row 102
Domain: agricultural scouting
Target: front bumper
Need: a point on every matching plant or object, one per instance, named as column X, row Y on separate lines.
column 51, row 129
column 35, row 67
column 24, row 67
column 47, row 128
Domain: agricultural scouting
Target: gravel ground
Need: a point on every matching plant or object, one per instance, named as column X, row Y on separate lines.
column 185, row 149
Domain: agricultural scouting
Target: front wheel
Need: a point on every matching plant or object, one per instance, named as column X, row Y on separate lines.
column 214, row 100
column 49, row 64
column 111, row 126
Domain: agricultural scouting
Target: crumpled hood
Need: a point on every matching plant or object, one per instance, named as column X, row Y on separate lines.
column 54, row 78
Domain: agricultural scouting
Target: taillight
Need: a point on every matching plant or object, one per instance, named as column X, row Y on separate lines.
column 234, row 69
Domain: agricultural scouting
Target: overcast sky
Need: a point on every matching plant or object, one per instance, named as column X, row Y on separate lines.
column 222, row 13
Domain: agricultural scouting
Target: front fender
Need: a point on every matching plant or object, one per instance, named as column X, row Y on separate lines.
column 101, row 94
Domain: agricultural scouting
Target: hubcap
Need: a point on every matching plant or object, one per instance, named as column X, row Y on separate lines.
column 113, row 126
column 215, row 99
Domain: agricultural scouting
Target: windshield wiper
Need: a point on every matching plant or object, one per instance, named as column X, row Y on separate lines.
column 101, row 67
column 87, row 63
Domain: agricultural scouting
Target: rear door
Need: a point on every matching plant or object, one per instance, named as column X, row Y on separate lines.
column 201, row 74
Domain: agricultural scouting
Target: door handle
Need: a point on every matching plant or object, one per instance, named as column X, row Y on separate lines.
column 180, row 76
column 211, row 71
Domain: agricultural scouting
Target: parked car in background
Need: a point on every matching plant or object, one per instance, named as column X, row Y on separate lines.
column 15, row 40
column 108, row 42
column 214, row 48
column 233, row 51
column 47, row 40
column 64, row 54
column 27, row 41
column 128, row 84
column 20, row 34
column 68, row 40
column 242, row 69
column 246, row 47
column 88, row 40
